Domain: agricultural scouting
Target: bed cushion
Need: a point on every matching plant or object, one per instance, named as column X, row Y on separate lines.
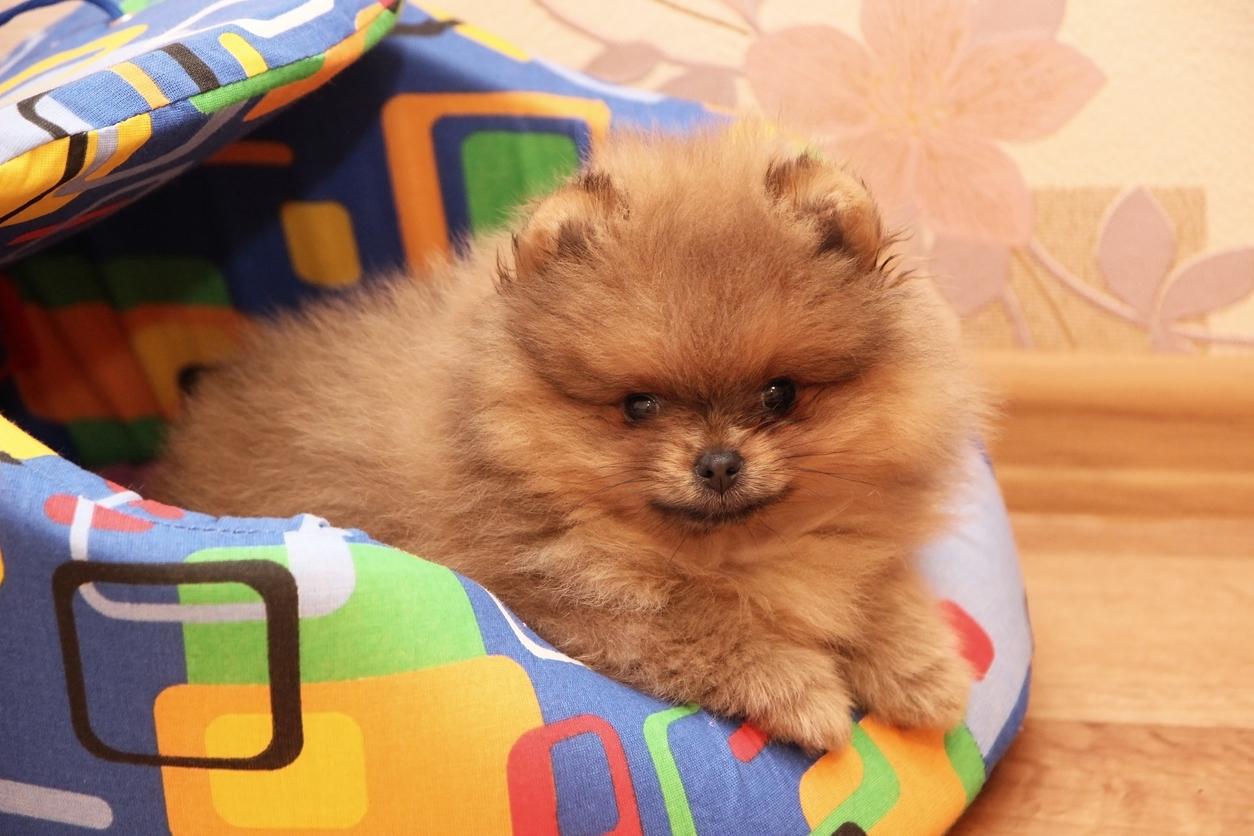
column 161, row 669
column 167, row 669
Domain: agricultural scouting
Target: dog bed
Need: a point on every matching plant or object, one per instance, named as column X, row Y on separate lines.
column 165, row 670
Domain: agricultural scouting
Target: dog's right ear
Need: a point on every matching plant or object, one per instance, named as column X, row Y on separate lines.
column 564, row 227
column 833, row 202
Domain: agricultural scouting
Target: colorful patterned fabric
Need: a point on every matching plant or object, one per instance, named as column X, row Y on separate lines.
column 164, row 669
column 96, row 113
column 160, row 669
column 434, row 134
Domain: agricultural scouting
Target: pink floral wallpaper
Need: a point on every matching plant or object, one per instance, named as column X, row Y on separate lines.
column 938, row 103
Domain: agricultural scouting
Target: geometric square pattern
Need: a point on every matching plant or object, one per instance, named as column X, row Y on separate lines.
column 280, row 697
column 435, row 745
column 320, row 242
column 408, row 121
column 324, row 788
column 504, row 169
column 403, row 614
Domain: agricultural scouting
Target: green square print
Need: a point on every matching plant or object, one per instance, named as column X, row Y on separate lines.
column 503, row 169
column 404, row 614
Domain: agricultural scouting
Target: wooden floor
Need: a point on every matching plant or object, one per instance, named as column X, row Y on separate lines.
column 1129, row 487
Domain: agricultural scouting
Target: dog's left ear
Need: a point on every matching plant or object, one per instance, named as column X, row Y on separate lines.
column 564, row 227
column 835, row 202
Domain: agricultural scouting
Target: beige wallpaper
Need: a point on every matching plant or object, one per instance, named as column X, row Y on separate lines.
column 1080, row 172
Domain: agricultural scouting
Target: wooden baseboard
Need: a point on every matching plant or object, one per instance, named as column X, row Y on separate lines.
column 1137, row 434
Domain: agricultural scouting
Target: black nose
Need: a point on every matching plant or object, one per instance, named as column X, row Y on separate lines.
column 719, row 468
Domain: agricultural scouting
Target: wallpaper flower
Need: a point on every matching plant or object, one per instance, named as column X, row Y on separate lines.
column 919, row 109
column 935, row 103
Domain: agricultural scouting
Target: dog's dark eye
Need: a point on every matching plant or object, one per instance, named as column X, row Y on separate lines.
column 640, row 406
column 779, row 395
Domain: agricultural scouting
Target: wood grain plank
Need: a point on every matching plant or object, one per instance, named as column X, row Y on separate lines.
column 1142, row 638
column 1111, row 778
column 1127, row 491
column 1141, row 412
column 1077, row 437
column 1139, row 535
column 1180, row 385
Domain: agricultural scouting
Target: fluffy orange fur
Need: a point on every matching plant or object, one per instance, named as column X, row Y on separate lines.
column 474, row 414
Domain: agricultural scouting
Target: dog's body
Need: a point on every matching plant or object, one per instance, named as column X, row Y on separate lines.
column 684, row 424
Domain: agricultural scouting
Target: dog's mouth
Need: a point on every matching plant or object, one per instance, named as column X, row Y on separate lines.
column 716, row 515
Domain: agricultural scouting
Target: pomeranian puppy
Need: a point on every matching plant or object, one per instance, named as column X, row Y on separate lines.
column 684, row 421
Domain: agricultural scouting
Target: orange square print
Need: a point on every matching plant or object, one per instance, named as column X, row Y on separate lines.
column 408, row 120
column 323, row 788
column 418, row 752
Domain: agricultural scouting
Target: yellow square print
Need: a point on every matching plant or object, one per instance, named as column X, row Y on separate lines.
column 436, row 748
column 323, row 788
column 18, row 444
column 320, row 242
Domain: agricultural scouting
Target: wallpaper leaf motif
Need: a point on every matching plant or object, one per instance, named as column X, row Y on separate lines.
column 1209, row 282
column 747, row 9
column 1136, row 247
column 622, row 63
column 969, row 274
column 1168, row 341
column 712, row 85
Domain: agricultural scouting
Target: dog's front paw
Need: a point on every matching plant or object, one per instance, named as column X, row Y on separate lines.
column 932, row 693
column 818, row 720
